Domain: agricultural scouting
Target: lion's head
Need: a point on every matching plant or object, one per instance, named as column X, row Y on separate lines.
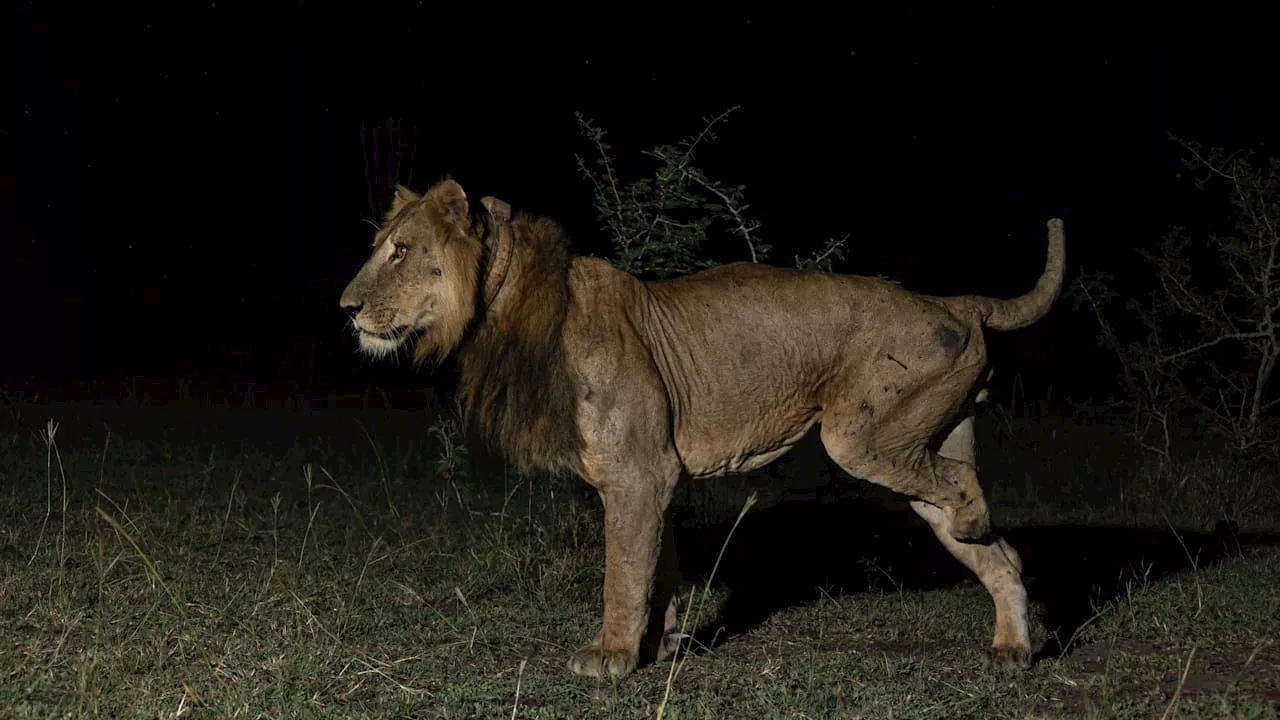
column 423, row 277
column 489, row 288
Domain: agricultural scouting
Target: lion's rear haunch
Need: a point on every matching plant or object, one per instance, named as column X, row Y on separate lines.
column 570, row 365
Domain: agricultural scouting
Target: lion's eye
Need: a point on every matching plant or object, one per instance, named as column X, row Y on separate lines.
column 399, row 252
column 437, row 272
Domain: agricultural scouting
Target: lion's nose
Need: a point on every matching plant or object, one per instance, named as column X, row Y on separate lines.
column 352, row 309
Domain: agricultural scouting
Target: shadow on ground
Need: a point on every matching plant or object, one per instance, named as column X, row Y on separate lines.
column 789, row 554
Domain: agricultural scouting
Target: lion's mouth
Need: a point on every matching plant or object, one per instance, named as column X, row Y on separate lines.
column 398, row 333
column 384, row 341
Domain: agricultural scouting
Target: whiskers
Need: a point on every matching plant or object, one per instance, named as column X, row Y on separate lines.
column 384, row 346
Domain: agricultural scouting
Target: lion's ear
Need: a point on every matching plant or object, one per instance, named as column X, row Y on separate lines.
column 452, row 201
column 403, row 196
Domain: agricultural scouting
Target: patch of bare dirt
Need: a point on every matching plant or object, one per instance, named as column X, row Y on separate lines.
column 1253, row 671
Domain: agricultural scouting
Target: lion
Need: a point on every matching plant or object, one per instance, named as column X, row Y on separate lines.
column 568, row 364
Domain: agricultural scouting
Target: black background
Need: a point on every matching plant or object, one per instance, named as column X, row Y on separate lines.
column 183, row 185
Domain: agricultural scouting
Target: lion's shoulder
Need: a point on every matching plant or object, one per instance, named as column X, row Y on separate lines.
column 596, row 286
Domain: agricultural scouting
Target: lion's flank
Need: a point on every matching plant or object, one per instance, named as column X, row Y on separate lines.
column 516, row 387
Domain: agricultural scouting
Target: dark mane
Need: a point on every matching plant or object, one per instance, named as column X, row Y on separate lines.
column 516, row 388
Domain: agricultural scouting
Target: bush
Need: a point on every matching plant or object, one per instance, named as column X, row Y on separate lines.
column 1199, row 348
column 665, row 225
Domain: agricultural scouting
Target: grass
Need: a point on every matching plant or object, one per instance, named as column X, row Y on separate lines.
column 241, row 563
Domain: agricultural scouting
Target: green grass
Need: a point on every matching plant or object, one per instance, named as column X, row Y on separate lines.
column 219, row 563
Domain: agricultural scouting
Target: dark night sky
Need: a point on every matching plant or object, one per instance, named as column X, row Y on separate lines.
column 176, row 180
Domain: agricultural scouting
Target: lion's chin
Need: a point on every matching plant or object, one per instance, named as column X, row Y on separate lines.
column 377, row 345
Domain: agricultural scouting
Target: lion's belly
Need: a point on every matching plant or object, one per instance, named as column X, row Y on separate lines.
column 715, row 449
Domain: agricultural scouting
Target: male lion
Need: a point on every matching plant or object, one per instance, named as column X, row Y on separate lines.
column 569, row 364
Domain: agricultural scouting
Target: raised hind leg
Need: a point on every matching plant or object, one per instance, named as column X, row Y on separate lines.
column 898, row 457
column 996, row 563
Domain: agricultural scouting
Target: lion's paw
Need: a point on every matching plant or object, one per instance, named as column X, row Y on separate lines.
column 1010, row 657
column 592, row 661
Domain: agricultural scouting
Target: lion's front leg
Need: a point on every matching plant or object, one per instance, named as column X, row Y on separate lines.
column 633, row 528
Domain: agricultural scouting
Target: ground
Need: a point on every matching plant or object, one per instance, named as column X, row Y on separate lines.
column 164, row 562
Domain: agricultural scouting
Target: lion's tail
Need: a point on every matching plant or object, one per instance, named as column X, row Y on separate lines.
column 1019, row 312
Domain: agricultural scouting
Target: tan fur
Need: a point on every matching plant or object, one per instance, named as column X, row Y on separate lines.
column 570, row 364
column 402, row 298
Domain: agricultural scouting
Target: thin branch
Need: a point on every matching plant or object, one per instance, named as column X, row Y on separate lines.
column 1205, row 345
column 731, row 206
column 706, row 130
column 832, row 247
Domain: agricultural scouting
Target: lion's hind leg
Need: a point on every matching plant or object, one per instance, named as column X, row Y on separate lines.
column 999, row 569
column 996, row 564
column 943, row 489
column 907, row 465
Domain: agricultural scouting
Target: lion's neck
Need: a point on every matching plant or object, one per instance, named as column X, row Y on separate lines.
column 514, row 380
